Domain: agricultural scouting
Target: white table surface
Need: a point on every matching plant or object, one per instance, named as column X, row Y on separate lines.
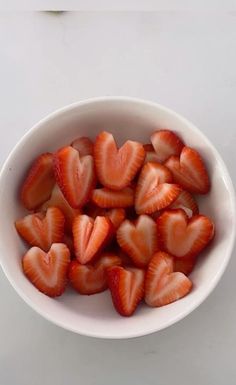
column 184, row 60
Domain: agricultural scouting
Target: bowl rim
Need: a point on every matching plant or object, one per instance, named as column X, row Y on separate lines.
column 218, row 275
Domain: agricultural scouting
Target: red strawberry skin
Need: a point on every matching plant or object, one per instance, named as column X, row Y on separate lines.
column 115, row 167
column 74, row 175
column 48, row 272
column 166, row 143
column 42, row 230
column 127, row 288
column 39, row 182
column 181, row 236
column 92, row 279
column 189, row 171
column 162, row 285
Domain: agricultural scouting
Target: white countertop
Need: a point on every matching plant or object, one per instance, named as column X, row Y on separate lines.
column 184, row 60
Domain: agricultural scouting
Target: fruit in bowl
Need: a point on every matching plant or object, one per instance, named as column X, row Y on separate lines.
column 120, row 216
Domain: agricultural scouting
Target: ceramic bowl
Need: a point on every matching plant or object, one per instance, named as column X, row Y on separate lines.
column 126, row 118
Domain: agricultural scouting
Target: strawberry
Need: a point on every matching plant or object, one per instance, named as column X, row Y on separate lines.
column 91, row 279
column 186, row 202
column 181, row 236
column 154, row 190
column 105, row 198
column 84, row 145
column 138, row 239
column 151, row 155
column 115, row 215
column 90, row 236
column 42, row 230
column 39, row 182
column 166, row 143
column 47, row 272
column 57, row 200
column 127, row 288
column 68, row 241
column 117, row 167
column 75, row 175
column 162, row 285
column 185, row 265
column 189, row 171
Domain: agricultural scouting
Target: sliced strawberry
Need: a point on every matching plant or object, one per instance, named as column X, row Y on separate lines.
column 186, row 202
column 181, row 236
column 105, row 198
column 57, row 200
column 151, row 155
column 116, row 216
column 189, row 171
column 138, row 239
column 68, row 241
column 162, row 285
column 154, row 189
column 127, row 288
column 91, row 279
column 84, row 145
column 75, row 175
column 90, row 236
column 39, row 182
column 185, row 265
column 47, row 272
column 116, row 168
column 42, row 230
column 166, row 143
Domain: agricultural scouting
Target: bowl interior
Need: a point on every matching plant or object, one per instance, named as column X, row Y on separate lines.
column 126, row 119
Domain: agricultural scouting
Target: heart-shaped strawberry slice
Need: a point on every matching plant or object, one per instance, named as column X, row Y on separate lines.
column 138, row 239
column 154, row 190
column 117, row 167
column 42, row 230
column 181, row 236
column 47, row 272
column 162, row 285
column 75, row 175
column 91, row 279
column 189, row 171
column 90, row 236
column 127, row 288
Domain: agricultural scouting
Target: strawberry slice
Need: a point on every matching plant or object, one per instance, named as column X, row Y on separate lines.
column 127, row 288
column 166, row 143
column 116, row 216
column 151, row 155
column 117, row 167
column 189, row 171
column 138, row 239
column 105, row 198
column 186, row 202
column 47, row 272
column 57, row 200
column 39, row 182
column 154, row 189
column 84, row 145
column 42, row 230
column 90, row 236
column 75, row 175
column 162, row 285
column 89, row 279
column 181, row 236
column 185, row 265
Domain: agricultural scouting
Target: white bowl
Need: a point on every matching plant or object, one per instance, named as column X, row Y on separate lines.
column 126, row 118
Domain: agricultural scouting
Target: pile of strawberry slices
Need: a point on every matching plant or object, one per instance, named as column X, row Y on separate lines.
column 119, row 218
